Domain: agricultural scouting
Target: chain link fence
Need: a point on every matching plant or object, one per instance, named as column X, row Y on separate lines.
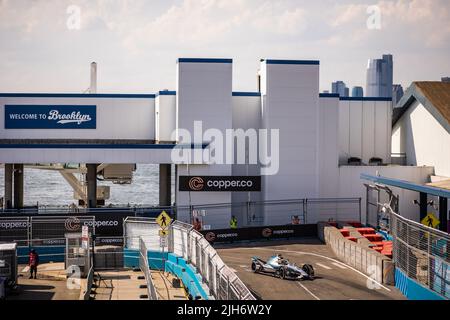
column 422, row 253
column 275, row 212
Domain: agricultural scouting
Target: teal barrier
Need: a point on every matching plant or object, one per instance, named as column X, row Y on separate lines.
column 46, row 254
column 178, row 266
column 413, row 290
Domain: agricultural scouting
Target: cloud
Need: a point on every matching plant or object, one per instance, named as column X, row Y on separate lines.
column 136, row 42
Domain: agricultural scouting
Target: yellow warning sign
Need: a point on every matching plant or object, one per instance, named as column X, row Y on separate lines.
column 430, row 220
column 163, row 220
column 163, row 232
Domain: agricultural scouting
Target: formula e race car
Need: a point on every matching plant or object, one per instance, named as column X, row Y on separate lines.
column 282, row 268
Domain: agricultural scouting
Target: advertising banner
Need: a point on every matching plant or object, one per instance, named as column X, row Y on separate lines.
column 261, row 233
column 50, row 117
column 220, row 183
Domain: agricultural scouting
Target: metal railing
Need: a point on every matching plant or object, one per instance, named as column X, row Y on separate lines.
column 248, row 214
column 275, row 212
column 422, row 253
column 90, row 282
column 143, row 265
column 222, row 282
column 42, row 230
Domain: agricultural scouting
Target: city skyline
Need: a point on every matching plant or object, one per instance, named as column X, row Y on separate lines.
column 135, row 43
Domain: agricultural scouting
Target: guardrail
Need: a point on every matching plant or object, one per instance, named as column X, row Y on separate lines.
column 223, row 283
column 143, row 264
column 90, row 282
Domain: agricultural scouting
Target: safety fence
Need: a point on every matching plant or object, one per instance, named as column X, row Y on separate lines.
column 48, row 233
column 422, row 253
column 89, row 284
column 190, row 245
column 143, row 265
column 222, row 282
column 248, row 214
column 274, row 212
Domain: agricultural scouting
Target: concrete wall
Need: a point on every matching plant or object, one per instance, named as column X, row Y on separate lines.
column 423, row 139
column 117, row 118
column 290, row 103
column 358, row 256
column 364, row 130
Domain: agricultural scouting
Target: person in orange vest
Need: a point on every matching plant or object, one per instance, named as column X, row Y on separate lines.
column 33, row 262
column 197, row 224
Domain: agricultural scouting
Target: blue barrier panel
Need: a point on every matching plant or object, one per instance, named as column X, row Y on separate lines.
column 155, row 259
column 178, row 266
column 46, row 254
column 413, row 290
column 131, row 258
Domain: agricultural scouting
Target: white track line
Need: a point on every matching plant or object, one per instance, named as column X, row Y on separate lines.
column 307, row 290
column 338, row 265
column 325, row 257
column 323, row 266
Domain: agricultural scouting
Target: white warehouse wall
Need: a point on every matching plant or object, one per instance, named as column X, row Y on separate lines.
column 328, row 146
column 364, row 129
column 246, row 115
column 351, row 185
column 165, row 116
column 418, row 134
column 204, row 92
column 117, row 118
column 290, row 103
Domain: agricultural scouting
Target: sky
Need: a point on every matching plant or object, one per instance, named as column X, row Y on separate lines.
column 47, row 45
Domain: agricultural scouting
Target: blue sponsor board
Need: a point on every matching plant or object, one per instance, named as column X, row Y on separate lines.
column 50, row 117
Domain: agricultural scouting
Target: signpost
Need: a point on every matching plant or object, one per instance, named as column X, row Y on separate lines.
column 430, row 220
column 164, row 221
column 85, row 237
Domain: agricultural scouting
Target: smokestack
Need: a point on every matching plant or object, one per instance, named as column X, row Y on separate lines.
column 93, row 86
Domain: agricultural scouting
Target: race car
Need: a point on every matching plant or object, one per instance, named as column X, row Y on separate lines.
column 282, row 268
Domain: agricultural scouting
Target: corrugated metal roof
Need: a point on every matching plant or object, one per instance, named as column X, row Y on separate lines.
column 438, row 93
column 444, row 184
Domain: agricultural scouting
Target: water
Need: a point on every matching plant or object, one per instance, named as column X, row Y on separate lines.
column 47, row 187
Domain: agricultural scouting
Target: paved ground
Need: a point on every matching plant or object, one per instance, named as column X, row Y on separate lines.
column 119, row 285
column 335, row 280
column 49, row 285
column 164, row 287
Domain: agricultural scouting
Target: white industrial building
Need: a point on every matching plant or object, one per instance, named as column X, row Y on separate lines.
column 318, row 134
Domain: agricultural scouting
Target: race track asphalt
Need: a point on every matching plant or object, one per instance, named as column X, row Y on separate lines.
column 335, row 280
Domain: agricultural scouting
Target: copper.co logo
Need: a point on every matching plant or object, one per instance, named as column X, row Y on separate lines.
column 196, row 183
column 267, row 232
column 210, row 236
column 72, row 224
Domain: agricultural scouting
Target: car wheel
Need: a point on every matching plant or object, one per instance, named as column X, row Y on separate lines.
column 281, row 273
column 309, row 270
column 254, row 267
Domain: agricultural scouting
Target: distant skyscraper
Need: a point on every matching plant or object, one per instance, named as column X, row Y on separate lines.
column 357, row 92
column 380, row 77
column 340, row 88
column 397, row 94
